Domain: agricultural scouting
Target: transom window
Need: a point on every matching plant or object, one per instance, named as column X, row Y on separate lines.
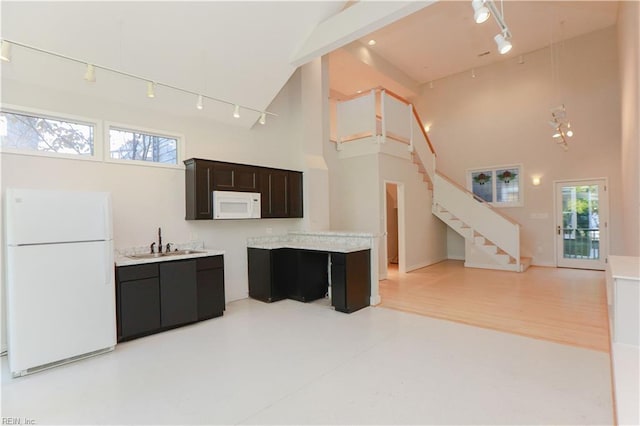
column 30, row 132
column 501, row 186
column 125, row 144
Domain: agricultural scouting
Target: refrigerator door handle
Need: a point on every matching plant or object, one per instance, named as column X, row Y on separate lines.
column 108, row 267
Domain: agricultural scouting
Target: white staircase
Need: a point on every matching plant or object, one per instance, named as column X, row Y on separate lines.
column 484, row 228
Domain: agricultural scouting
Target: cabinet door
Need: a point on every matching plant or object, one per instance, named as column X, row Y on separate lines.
column 210, row 293
column 247, row 178
column 198, row 187
column 139, row 307
column 295, row 194
column 223, row 177
column 274, row 188
column 178, row 293
column 313, row 278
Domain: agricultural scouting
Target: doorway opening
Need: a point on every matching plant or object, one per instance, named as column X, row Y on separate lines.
column 393, row 256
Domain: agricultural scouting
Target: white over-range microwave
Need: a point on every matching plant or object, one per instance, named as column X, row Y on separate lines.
column 236, row 205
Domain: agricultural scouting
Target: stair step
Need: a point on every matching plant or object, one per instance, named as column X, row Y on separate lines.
column 479, row 240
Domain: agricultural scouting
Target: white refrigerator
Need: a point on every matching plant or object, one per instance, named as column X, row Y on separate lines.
column 60, row 277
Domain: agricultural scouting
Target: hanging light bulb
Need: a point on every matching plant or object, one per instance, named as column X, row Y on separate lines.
column 90, row 74
column 5, row 53
column 236, row 111
column 151, row 89
column 504, row 45
column 569, row 131
column 480, row 11
column 199, row 104
column 263, row 118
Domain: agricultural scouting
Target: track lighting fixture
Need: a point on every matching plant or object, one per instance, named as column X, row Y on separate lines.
column 151, row 89
column 485, row 8
column 263, row 118
column 480, row 11
column 5, row 54
column 90, row 74
column 504, row 45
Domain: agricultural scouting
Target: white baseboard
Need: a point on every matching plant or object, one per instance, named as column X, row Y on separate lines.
column 545, row 264
column 424, row 264
column 490, row 266
column 456, row 257
column 375, row 300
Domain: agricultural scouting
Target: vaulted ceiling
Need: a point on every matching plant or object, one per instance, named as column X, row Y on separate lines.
column 244, row 52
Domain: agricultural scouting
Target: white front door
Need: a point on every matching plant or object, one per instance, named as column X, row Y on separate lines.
column 582, row 224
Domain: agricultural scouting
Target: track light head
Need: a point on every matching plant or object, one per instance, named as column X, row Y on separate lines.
column 480, row 11
column 151, row 89
column 504, row 45
column 263, row 118
column 236, row 111
column 199, row 104
column 5, row 51
column 90, row 74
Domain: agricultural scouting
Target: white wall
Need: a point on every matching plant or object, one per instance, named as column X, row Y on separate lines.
column 628, row 48
column 425, row 235
column 145, row 198
column 500, row 117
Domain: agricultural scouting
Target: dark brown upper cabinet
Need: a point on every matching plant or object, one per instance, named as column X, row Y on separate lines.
column 235, row 177
column 280, row 190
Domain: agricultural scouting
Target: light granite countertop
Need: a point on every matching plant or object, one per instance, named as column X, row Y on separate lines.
column 305, row 245
column 122, row 260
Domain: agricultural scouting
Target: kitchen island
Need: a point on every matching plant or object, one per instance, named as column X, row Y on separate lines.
column 304, row 265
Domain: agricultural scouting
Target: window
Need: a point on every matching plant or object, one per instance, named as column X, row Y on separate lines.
column 501, row 186
column 36, row 133
column 141, row 146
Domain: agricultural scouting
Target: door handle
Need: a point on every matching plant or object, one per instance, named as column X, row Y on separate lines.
column 559, row 230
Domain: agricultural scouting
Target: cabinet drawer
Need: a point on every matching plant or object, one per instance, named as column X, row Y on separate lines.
column 211, row 262
column 137, row 272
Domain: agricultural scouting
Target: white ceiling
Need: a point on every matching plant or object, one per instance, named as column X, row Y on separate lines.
column 443, row 39
column 237, row 51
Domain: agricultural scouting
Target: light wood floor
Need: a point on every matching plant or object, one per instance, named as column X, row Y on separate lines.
column 562, row 305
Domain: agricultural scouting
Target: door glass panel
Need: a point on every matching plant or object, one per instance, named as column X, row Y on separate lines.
column 580, row 222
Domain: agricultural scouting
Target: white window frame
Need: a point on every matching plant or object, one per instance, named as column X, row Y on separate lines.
column 494, row 169
column 108, row 125
column 97, row 133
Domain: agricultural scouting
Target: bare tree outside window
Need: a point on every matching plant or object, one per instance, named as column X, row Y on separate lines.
column 33, row 133
column 130, row 145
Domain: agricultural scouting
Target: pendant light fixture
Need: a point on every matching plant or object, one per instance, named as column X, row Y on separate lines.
column 263, row 119
column 199, row 104
column 236, row 111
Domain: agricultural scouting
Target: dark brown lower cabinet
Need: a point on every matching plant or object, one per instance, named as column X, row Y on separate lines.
column 350, row 280
column 154, row 297
column 303, row 275
column 210, row 280
column 178, row 293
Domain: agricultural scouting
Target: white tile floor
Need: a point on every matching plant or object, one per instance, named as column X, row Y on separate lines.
column 295, row 363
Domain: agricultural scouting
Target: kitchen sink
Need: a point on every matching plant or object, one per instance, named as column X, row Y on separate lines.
column 169, row 254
